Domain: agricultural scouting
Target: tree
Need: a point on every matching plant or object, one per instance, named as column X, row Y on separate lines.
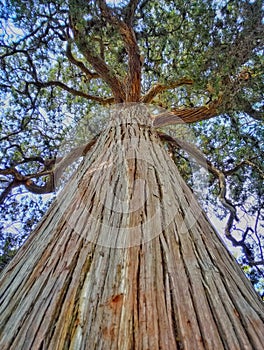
column 125, row 257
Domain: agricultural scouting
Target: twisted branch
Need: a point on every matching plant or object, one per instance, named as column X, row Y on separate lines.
column 53, row 170
column 158, row 88
column 102, row 100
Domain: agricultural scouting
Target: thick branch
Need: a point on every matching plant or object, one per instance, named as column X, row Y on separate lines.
column 134, row 59
column 13, row 172
column 36, row 189
column 105, row 72
column 187, row 115
column 158, row 88
column 96, row 61
column 18, row 179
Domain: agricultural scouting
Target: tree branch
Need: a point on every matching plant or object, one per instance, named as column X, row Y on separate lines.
column 258, row 115
column 49, row 186
column 134, row 59
column 130, row 12
column 193, row 151
column 90, row 75
column 6, row 191
column 14, row 173
column 53, row 169
column 187, row 115
column 158, row 88
column 103, row 101
column 96, row 61
column 242, row 163
column 256, row 263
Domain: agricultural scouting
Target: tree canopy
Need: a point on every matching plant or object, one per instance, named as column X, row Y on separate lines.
column 198, row 63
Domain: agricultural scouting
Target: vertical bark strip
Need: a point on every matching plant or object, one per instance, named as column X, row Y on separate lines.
column 117, row 264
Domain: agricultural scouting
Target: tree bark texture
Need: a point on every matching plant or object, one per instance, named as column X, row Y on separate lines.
column 126, row 259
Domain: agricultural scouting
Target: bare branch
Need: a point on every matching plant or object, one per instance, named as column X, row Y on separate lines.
column 257, row 235
column 13, row 172
column 103, row 70
column 25, row 180
column 158, row 88
column 23, row 125
column 58, row 167
column 80, row 64
column 53, row 170
column 47, row 188
column 56, row 83
column 241, row 164
column 187, row 115
column 18, row 179
column 73, row 91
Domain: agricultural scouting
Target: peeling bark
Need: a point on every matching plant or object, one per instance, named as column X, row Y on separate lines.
column 126, row 259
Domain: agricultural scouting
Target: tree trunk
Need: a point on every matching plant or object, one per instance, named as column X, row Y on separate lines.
column 126, row 259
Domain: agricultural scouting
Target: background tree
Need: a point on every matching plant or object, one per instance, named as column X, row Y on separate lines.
column 201, row 61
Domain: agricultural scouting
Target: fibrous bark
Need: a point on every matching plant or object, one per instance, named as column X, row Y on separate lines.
column 126, row 259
